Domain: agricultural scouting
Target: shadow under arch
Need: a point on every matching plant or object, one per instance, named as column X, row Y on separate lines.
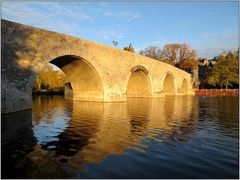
column 139, row 84
column 184, row 87
column 168, row 84
column 84, row 80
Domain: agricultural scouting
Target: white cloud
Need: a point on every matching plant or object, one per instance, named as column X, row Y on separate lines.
column 60, row 17
column 72, row 18
column 222, row 36
column 105, row 34
column 211, row 51
column 47, row 10
column 217, row 43
column 108, row 13
column 157, row 40
column 122, row 15
column 133, row 17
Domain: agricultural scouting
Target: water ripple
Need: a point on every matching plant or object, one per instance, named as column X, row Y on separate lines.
column 170, row 137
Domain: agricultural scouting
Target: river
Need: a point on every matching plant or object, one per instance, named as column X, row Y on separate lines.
column 168, row 137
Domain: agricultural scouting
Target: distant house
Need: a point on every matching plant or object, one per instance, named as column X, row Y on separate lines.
column 198, row 69
column 204, row 66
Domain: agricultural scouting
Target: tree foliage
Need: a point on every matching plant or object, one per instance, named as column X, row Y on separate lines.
column 188, row 64
column 153, row 52
column 178, row 53
column 170, row 52
column 49, row 79
column 226, row 71
column 115, row 43
column 129, row 48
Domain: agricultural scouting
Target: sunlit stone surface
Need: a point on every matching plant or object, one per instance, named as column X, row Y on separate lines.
column 96, row 72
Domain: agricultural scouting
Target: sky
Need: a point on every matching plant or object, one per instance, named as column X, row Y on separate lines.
column 208, row 27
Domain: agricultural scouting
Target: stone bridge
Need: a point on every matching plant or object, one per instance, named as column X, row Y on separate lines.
column 96, row 72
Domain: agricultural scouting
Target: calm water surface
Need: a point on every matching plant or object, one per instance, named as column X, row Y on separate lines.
column 171, row 137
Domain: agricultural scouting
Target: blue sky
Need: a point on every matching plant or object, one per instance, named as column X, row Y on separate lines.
column 208, row 27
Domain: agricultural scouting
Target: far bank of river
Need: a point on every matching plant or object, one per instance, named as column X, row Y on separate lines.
column 217, row 92
column 49, row 92
column 199, row 92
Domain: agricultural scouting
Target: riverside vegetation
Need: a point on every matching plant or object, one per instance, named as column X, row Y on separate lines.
column 50, row 81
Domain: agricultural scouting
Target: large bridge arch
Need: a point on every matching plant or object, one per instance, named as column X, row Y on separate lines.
column 169, row 87
column 139, row 84
column 86, row 84
column 85, row 81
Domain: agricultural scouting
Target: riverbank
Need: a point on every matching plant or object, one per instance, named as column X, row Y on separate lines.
column 217, row 92
column 199, row 92
column 49, row 92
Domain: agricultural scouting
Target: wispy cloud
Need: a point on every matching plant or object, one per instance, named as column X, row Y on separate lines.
column 51, row 16
column 208, row 14
column 222, row 36
column 208, row 45
column 157, row 40
column 67, row 18
column 104, row 33
column 136, row 16
column 211, row 51
column 122, row 15
column 109, row 34
column 217, row 43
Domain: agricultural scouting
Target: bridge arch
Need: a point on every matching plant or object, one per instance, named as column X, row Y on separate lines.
column 139, row 84
column 184, row 87
column 169, row 84
column 85, row 81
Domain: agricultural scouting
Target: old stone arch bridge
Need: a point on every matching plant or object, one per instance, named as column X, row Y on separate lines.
column 96, row 72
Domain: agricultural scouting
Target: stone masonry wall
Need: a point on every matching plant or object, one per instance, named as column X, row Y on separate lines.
column 26, row 50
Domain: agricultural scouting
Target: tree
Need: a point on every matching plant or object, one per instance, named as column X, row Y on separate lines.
column 115, row 43
column 129, row 48
column 170, row 52
column 179, row 55
column 226, row 71
column 153, row 52
column 185, row 53
column 50, row 79
column 175, row 53
column 188, row 65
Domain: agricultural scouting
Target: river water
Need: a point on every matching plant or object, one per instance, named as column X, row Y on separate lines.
column 169, row 137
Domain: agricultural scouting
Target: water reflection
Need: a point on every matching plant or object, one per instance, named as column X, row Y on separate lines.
column 65, row 136
column 17, row 140
column 139, row 110
column 92, row 130
column 175, row 116
column 221, row 111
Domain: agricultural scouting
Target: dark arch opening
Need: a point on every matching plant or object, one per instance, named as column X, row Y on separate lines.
column 85, row 84
column 184, row 87
column 168, row 85
column 138, row 84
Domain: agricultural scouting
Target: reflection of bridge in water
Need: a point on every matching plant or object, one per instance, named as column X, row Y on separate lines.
column 91, row 132
column 97, row 130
